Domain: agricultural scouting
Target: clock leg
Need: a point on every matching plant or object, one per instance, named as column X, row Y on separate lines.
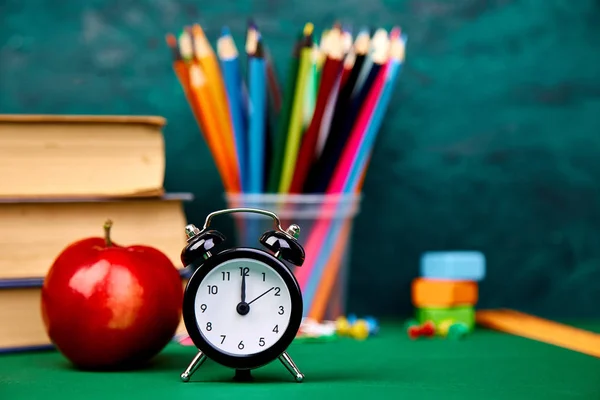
column 287, row 362
column 193, row 367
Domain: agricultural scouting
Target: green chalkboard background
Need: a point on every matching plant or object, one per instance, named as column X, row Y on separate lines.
column 492, row 141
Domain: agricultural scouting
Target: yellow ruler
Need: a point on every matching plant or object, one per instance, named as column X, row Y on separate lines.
column 543, row 330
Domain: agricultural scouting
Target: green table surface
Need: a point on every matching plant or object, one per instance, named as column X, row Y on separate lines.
column 486, row 365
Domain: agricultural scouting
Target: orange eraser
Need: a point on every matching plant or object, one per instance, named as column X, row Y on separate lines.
column 443, row 293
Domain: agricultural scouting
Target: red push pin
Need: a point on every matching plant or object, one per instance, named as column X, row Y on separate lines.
column 428, row 329
column 414, row 331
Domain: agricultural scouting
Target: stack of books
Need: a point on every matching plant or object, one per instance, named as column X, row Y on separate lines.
column 61, row 177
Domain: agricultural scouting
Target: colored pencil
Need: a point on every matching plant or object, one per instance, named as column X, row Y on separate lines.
column 250, row 43
column 257, row 76
column 346, row 40
column 273, row 88
column 319, row 235
column 394, row 58
column 368, row 125
column 364, row 121
column 272, row 111
column 232, row 77
column 356, row 172
column 295, row 123
column 349, row 61
column 252, row 35
column 327, row 282
column 330, row 109
column 206, row 57
column 331, row 273
column 310, row 93
column 181, row 72
column 273, row 83
column 182, row 64
column 331, row 70
column 326, row 120
column 332, row 153
column 250, row 32
column 361, row 47
column 327, row 229
column 280, row 137
column 368, row 63
column 332, row 138
column 323, row 49
column 201, row 92
column 186, row 47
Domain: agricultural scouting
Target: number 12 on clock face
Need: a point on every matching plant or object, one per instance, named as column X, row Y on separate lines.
column 242, row 307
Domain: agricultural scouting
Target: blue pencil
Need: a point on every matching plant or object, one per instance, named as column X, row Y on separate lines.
column 257, row 89
column 228, row 56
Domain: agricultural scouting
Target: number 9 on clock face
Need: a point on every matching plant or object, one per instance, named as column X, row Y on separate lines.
column 243, row 307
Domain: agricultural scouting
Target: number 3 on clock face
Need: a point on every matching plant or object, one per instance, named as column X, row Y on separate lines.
column 242, row 308
column 267, row 298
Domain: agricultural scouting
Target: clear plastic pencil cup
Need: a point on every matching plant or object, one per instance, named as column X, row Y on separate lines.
column 325, row 223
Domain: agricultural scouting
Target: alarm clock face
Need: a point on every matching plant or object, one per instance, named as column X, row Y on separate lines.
column 230, row 325
column 242, row 303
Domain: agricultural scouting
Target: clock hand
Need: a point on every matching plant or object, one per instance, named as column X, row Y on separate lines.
column 261, row 295
column 243, row 287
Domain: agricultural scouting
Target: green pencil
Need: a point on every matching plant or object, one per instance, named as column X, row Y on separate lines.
column 294, row 133
column 283, row 119
column 310, row 95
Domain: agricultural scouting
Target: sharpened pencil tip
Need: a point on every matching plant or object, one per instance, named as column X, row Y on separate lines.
column 225, row 31
column 380, row 34
column 251, row 24
column 197, row 30
column 308, row 29
column 395, row 32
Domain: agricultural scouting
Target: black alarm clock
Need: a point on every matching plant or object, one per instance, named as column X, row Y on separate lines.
column 242, row 307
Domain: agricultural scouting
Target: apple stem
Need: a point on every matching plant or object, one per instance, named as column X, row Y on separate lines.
column 107, row 226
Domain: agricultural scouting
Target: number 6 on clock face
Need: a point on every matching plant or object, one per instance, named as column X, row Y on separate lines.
column 217, row 301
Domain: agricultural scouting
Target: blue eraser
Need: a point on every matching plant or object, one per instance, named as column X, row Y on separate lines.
column 453, row 265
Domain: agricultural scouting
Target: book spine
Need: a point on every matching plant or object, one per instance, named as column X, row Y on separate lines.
column 23, row 349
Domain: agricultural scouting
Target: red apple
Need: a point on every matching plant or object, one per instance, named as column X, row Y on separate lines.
column 107, row 306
